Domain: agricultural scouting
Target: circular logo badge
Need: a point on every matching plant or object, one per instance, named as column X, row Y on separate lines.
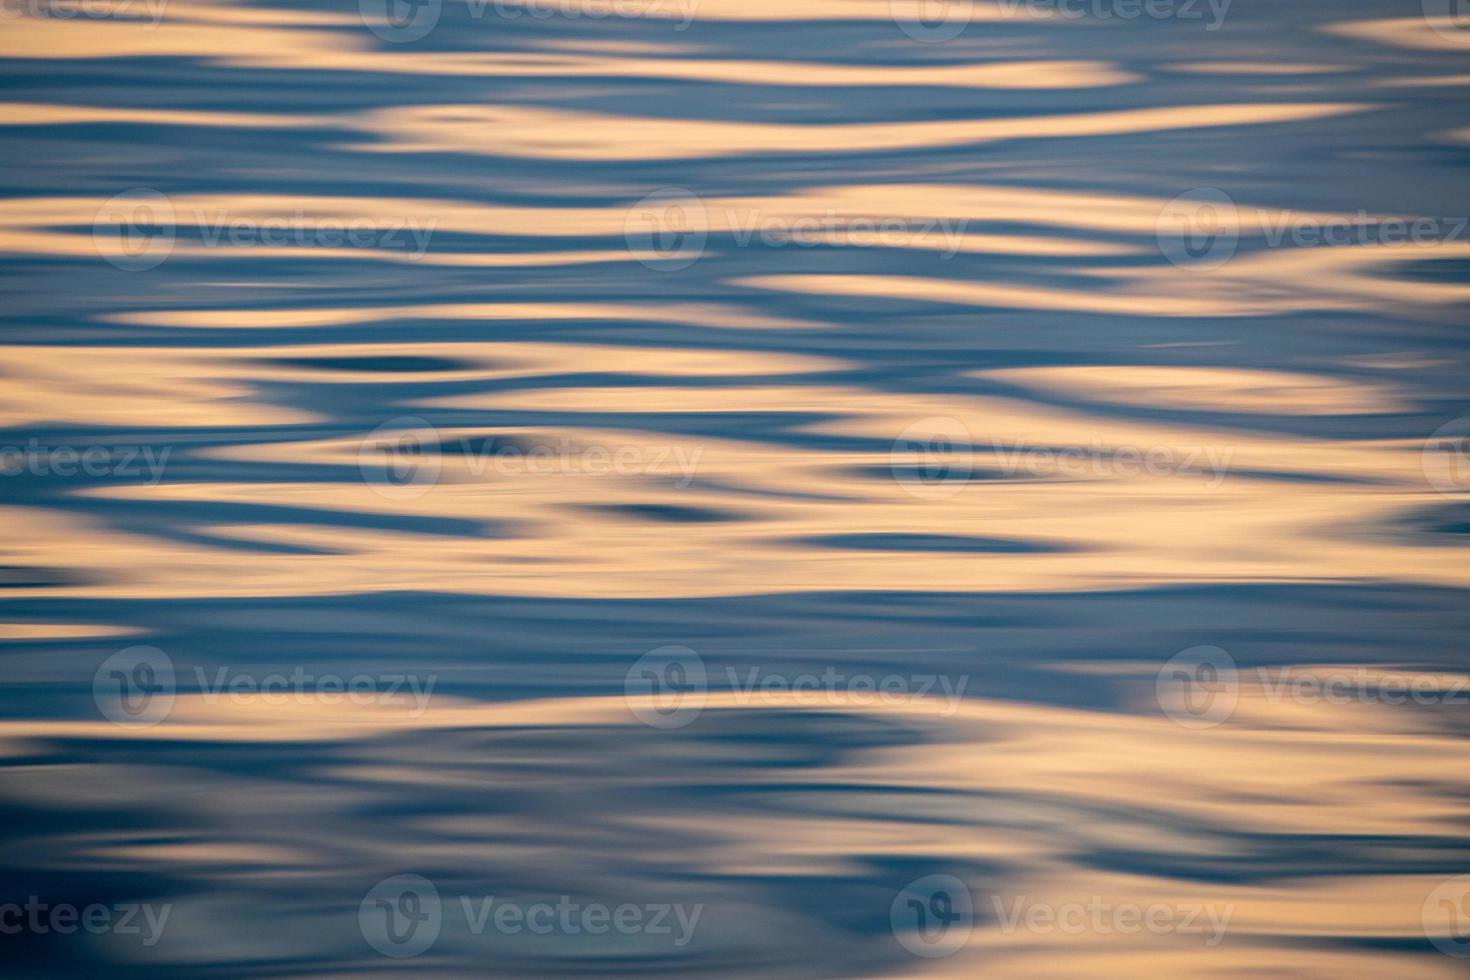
column 135, row 230
column 1449, row 19
column 667, row 687
column 1446, row 457
column 1199, row 229
column 667, row 230
column 933, row 916
column 135, row 687
column 400, row 21
column 401, row 916
column 400, row 458
column 1198, row 687
column 1446, row 917
column 931, row 21
column 933, row 457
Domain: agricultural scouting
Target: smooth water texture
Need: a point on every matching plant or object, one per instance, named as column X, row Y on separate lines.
column 849, row 481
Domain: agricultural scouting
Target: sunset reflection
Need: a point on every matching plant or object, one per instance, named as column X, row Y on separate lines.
column 734, row 488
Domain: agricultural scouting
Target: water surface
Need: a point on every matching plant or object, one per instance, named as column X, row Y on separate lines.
column 582, row 378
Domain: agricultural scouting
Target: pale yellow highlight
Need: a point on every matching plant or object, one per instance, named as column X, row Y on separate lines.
column 1421, row 81
column 195, row 853
column 1278, row 280
column 714, row 315
column 39, row 114
column 970, row 293
column 187, row 30
column 63, row 631
column 1421, row 33
column 1207, row 389
column 518, row 359
column 1260, row 283
column 561, row 134
column 1028, row 75
column 1253, row 68
column 123, row 386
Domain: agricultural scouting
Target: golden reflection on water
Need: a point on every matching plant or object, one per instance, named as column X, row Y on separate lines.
column 919, row 387
column 555, row 134
column 1165, row 523
column 1056, row 782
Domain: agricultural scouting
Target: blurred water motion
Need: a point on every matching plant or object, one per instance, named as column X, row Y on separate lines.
column 834, row 487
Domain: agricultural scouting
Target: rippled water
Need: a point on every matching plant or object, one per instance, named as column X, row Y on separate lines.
column 844, row 488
